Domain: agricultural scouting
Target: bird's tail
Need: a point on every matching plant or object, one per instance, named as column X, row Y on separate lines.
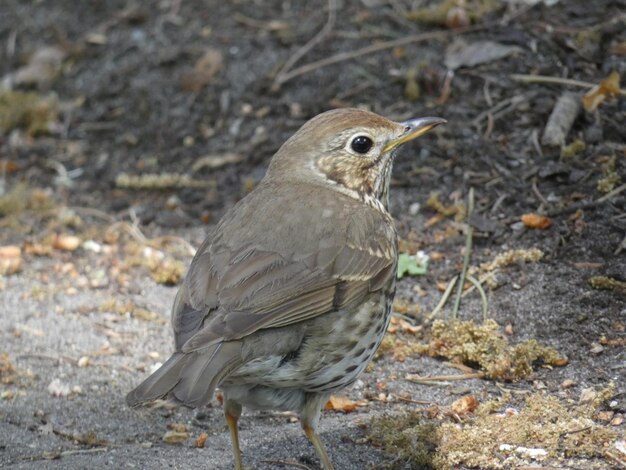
column 189, row 377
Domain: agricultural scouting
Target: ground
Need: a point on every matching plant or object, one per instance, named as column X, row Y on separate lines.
column 128, row 128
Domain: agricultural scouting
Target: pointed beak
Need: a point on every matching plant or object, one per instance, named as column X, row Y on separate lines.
column 414, row 129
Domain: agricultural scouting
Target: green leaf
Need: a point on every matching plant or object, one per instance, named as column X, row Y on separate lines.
column 412, row 265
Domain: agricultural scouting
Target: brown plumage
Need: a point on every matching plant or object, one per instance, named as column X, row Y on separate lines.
column 289, row 297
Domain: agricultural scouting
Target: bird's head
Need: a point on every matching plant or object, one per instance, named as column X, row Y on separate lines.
column 349, row 149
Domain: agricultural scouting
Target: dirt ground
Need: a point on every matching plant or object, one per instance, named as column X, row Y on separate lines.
column 127, row 129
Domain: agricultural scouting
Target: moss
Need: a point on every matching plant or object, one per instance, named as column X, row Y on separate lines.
column 575, row 148
column 407, row 436
column 502, row 434
column 26, row 110
column 607, row 283
column 123, row 308
column 15, row 201
column 484, row 347
column 544, row 422
column 169, row 272
column 437, row 14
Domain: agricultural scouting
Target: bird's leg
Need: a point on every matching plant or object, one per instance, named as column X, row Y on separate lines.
column 232, row 412
column 310, row 417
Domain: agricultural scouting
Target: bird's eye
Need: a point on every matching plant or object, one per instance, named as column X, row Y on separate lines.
column 361, row 144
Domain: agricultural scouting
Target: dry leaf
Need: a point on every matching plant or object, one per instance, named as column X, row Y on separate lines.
column 66, row 242
column 460, row 54
column 216, row 161
column 204, row 71
column 464, row 405
column 343, row 404
column 42, row 68
column 10, row 260
column 407, row 327
column 201, row 440
column 8, row 166
column 536, row 221
column 175, row 437
column 10, row 251
column 608, row 88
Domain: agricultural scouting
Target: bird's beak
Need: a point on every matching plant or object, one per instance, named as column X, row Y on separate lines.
column 414, row 129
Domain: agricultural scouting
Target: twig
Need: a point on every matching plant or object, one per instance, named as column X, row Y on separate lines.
column 437, row 378
column 615, row 192
column 575, row 431
column 417, row 402
column 466, row 255
column 283, row 74
column 531, row 78
column 537, row 193
column 343, row 56
column 573, row 207
column 444, row 299
column 496, row 110
column 93, row 212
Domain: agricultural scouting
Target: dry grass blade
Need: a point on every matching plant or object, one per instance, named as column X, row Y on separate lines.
column 483, row 296
column 343, row 56
column 444, row 298
column 283, row 75
column 555, row 80
column 437, row 378
column 466, row 256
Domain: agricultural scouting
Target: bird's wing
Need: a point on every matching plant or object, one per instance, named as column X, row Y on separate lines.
column 233, row 290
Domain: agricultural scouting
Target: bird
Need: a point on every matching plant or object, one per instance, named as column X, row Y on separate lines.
column 289, row 297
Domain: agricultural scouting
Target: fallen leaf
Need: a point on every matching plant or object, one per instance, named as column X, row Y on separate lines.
column 178, row 427
column 407, row 327
column 608, row 88
column 460, row 54
column 204, row 71
column 415, row 265
column 201, row 440
column 66, row 242
column 464, row 405
column 175, row 437
column 536, row 221
column 343, row 404
column 8, row 166
column 42, row 68
column 10, row 260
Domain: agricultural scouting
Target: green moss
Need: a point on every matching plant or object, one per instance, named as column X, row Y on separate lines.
column 484, row 347
column 405, row 436
column 26, row 110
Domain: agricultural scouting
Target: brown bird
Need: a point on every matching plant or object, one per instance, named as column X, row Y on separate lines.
column 290, row 296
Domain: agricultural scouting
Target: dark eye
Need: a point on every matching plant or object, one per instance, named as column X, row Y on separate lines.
column 361, row 144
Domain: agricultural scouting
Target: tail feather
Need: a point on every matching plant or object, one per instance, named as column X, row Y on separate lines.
column 200, row 376
column 190, row 378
